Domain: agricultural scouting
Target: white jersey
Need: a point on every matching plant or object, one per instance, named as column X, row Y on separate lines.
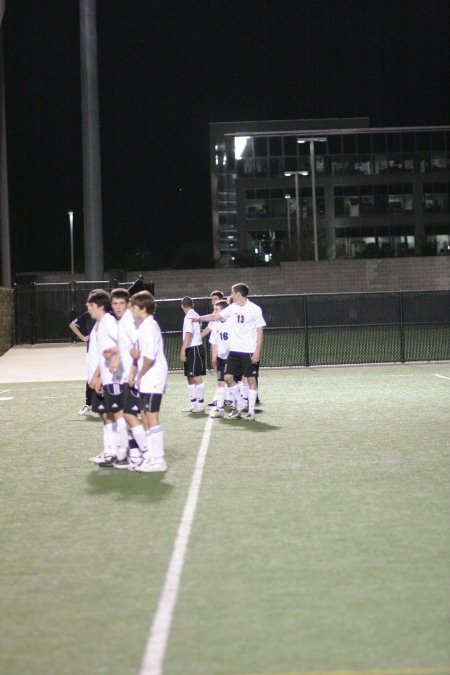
column 92, row 353
column 127, row 335
column 151, row 346
column 245, row 320
column 107, row 329
column 190, row 327
column 220, row 336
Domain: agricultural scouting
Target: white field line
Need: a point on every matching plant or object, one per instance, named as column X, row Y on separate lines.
column 6, row 398
column 443, row 377
column 155, row 650
column 4, row 391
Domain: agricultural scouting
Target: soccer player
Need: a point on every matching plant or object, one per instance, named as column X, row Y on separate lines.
column 193, row 356
column 149, row 377
column 246, row 340
column 106, row 382
column 219, row 340
column 127, row 335
column 82, row 327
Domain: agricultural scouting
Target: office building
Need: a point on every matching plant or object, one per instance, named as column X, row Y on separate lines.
column 378, row 191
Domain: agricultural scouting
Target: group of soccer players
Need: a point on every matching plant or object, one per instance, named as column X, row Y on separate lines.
column 127, row 368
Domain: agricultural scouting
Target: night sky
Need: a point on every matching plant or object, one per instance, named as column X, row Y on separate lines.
column 167, row 69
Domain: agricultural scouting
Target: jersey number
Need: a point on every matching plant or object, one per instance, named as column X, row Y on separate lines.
column 223, row 336
column 240, row 318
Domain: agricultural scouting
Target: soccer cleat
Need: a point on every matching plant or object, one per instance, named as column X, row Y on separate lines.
column 123, row 463
column 250, row 416
column 190, row 407
column 199, row 408
column 213, row 404
column 84, row 410
column 216, row 412
column 234, row 414
column 98, row 458
column 152, row 466
column 245, row 404
column 228, row 403
column 108, row 461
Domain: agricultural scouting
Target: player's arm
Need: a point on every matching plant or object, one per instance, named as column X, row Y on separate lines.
column 184, row 346
column 114, row 353
column 214, row 356
column 206, row 318
column 146, row 365
column 74, row 328
column 259, row 341
column 133, row 373
column 206, row 331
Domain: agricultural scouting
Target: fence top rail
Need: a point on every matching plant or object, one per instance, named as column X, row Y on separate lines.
column 302, row 295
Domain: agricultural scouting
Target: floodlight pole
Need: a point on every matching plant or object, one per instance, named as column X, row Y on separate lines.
column 72, row 266
column 312, row 140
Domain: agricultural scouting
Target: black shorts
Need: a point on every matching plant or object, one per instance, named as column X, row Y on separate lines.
column 131, row 402
column 150, row 402
column 113, row 394
column 195, row 364
column 98, row 402
column 239, row 364
column 221, row 365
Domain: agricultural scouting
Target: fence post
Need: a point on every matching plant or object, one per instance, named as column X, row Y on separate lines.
column 33, row 312
column 402, row 329
column 305, row 315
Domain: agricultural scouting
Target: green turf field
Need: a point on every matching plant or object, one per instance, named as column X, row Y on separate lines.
column 320, row 542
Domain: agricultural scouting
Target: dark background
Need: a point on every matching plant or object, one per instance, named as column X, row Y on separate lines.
column 167, row 69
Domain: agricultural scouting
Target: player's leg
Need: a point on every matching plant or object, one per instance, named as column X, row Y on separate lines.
column 233, row 374
column 154, row 432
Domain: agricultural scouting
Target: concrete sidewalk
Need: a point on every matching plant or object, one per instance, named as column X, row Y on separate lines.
column 44, row 363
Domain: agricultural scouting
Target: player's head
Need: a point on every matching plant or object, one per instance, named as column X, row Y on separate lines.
column 100, row 298
column 119, row 301
column 219, row 306
column 187, row 302
column 240, row 288
column 215, row 296
column 145, row 301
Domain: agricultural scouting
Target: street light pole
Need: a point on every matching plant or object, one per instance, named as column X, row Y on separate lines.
column 72, row 267
column 296, row 174
column 312, row 140
column 288, row 211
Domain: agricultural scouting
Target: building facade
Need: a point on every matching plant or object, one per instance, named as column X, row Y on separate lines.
column 326, row 189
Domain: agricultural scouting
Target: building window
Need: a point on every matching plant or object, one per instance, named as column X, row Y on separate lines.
column 382, row 241
column 359, row 200
column 437, row 238
column 436, row 197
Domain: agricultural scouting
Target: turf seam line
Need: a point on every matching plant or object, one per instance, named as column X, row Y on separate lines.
column 152, row 663
column 443, row 377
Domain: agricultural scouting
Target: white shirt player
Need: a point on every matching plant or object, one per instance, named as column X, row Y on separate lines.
column 151, row 346
column 244, row 319
column 190, row 327
column 107, row 329
column 92, row 353
column 220, row 336
column 127, row 335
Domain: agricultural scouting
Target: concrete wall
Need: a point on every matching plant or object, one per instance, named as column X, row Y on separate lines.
column 326, row 276
column 6, row 319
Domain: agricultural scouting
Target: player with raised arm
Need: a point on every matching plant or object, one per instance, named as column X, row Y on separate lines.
column 246, row 340
column 193, row 356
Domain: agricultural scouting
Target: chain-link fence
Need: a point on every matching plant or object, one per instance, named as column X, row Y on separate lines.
column 302, row 330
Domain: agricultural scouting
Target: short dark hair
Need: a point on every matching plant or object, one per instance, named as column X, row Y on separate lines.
column 187, row 301
column 144, row 300
column 221, row 303
column 240, row 288
column 218, row 293
column 101, row 298
column 120, row 293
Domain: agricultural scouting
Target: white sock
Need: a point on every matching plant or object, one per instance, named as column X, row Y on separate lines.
column 192, row 392
column 243, row 388
column 227, row 392
column 236, row 394
column 139, row 436
column 200, row 389
column 109, row 438
column 120, row 428
column 155, row 442
column 252, row 396
column 220, row 397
